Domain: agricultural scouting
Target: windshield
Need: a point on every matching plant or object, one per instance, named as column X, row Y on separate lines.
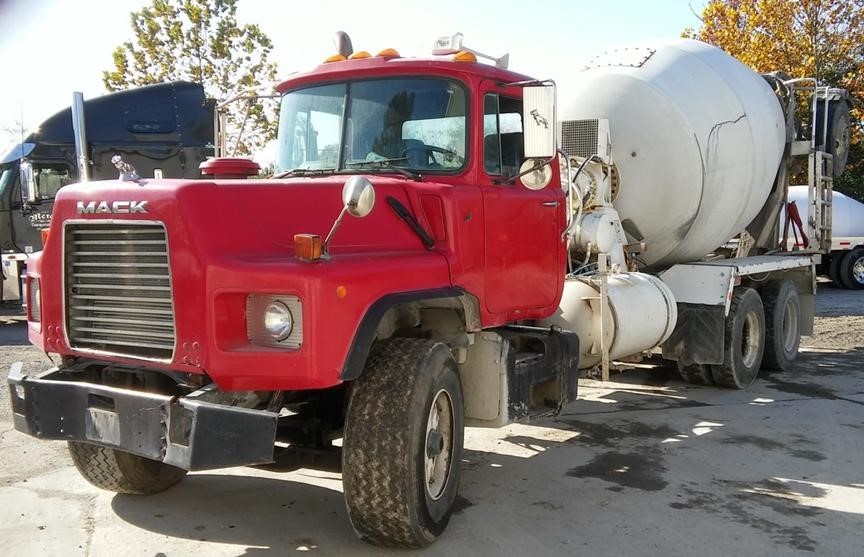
column 414, row 123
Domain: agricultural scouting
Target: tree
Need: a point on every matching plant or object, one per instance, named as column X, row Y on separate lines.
column 813, row 38
column 201, row 41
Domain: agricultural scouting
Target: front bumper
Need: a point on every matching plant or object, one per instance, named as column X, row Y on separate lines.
column 188, row 432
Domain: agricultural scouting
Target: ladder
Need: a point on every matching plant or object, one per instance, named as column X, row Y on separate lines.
column 820, row 182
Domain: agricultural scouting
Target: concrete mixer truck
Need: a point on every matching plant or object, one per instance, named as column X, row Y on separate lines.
column 490, row 245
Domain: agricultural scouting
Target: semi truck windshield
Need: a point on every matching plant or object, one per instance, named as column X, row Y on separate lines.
column 413, row 123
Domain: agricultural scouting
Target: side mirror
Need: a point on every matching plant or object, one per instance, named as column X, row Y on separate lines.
column 538, row 121
column 358, row 196
column 29, row 194
column 535, row 174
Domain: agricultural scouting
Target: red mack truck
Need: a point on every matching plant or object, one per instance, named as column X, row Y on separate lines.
column 444, row 246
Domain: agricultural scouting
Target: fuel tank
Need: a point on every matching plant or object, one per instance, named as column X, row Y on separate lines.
column 696, row 138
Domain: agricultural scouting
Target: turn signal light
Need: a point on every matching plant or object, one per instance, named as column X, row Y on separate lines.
column 44, row 233
column 464, row 56
column 307, row 246
column 335, row 58
column 360, row 54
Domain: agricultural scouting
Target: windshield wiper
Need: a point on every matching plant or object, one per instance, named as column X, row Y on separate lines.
column 305, row 172
column 387, row 164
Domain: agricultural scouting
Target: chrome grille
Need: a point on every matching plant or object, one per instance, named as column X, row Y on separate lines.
column 579, row 137
column 118, row 289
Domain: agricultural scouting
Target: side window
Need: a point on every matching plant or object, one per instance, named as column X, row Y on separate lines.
column 50, row 178
column 502, row 135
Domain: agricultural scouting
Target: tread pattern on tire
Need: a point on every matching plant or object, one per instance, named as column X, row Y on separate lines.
column 377, row 490
column 122, row 472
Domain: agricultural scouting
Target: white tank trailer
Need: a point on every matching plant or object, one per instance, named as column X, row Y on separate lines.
column 845, row 263
column 696, row 140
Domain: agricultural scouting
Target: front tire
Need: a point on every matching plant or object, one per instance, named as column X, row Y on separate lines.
column 403, row 443
column 852, row 269
column 123, row 472
column 744, row 342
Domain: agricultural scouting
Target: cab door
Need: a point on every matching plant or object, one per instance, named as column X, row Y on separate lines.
column 523, row 247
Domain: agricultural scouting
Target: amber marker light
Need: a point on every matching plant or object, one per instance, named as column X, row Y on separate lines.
column 307, row 246
column 335, row 58
column 464, row 56
column 360, row 54
column 341, row 291
column 44, row 234
column 389, row 53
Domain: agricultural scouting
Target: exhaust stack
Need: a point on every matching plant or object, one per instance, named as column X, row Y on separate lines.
column 80, row 132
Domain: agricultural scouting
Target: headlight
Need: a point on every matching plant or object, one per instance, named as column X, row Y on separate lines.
column 274, row 320
column 278, row 321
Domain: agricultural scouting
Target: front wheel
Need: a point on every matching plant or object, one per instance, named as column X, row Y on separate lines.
column 852, row 269
column 403, row 443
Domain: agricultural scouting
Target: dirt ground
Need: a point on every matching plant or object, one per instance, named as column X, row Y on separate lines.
column 644, row 464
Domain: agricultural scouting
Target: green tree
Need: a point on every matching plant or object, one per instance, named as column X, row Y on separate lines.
column 201, row 41
column 805, row 38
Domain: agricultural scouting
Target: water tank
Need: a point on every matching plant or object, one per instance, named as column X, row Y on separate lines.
column 697, row 138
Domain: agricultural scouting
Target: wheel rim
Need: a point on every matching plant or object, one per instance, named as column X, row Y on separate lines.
column 790, row 326
column 438, row 451
column 750, row 340
column 858, row 270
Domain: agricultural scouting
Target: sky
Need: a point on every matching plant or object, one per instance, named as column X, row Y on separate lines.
column 50, row 48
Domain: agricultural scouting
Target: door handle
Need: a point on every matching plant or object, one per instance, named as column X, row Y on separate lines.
column 550, row 204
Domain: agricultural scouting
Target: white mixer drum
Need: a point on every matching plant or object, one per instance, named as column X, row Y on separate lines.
column 697, row 138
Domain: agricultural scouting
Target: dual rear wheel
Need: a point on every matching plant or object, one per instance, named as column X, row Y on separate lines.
column 760, row 332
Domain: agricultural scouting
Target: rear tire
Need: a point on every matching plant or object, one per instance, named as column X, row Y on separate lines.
column 834, row 268
column 403, row 443
column 121, row 471
column 782, row 325
column 744, row 341
column 851, row 270
column 696, row 374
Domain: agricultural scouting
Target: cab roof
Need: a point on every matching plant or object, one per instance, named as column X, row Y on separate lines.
column 387, row 66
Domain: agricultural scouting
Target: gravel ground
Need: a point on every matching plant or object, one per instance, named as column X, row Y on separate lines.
column 644, row 464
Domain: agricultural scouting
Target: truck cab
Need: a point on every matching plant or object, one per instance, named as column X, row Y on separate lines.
column 358, row 309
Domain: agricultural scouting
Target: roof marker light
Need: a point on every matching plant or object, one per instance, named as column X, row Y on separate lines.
column 335, row 58
column 464, row 56
column 389, row 53
column 360, row 54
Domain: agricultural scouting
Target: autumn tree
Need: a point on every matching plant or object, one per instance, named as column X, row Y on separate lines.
column 201, row 41
column 805, row 38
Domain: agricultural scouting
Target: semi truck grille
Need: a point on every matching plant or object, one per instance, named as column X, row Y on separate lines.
column 118, row 289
